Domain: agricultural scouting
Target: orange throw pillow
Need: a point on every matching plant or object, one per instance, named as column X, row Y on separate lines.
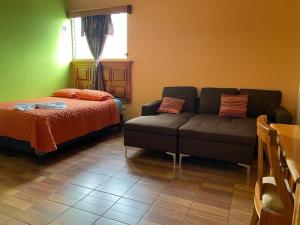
column 66, row 93
column 234, row 106
column 94, row 95
column 171, row 105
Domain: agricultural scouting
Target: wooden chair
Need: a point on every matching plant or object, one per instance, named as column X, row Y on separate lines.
column 273, row 202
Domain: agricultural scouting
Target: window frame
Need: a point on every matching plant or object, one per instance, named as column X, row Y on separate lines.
column 74, row 51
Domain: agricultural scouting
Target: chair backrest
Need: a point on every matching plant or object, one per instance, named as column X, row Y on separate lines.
column 267, row 142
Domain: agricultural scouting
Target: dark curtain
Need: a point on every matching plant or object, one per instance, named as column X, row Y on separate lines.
column 96, row 29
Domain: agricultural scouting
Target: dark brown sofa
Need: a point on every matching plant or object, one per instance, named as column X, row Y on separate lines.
column 199, row 131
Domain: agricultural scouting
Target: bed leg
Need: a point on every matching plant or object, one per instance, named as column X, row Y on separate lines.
column 88, row 140
column 40, row 159
column 8, row 153
column 120, row 127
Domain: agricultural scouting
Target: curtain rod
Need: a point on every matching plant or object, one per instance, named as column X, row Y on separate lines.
column 103, row 11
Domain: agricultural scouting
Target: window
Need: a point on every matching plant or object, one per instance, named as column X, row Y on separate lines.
column 115, row 46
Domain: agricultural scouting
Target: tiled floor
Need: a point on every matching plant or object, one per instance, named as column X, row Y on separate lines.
column 94, row 184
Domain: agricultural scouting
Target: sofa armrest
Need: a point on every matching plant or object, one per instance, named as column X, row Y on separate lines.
column 281, row 115
column 150, row 108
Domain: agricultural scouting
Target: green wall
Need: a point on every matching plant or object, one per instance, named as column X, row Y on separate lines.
column 35, row 53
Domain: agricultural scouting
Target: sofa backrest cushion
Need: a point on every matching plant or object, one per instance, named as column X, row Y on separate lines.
column 188, row 94
column 210, row 99
column 261, row 102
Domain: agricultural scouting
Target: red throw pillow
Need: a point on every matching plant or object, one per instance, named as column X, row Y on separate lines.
column 66, row 93
column 94, row 95
column 171, row 105
column 234, row 106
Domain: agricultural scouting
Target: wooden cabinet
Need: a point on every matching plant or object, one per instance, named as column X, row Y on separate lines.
column 117, row 77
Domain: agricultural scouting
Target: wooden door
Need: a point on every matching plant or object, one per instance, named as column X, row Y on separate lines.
column 117, row 79
column 83, row 74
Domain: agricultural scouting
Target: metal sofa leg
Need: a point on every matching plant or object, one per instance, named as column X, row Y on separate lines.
column 248, row 168
column 173, row 155
column 125, row 148
column 182, row 156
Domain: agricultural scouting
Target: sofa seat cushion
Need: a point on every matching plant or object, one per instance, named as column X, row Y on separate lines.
column 167, row 124
column 214, row 128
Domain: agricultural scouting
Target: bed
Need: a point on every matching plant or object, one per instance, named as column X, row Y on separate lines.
column 43, row 130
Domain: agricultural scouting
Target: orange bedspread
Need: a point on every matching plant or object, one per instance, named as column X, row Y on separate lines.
column 46, row 128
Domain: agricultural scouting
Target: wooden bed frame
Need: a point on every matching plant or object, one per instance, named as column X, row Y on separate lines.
column 11, row 145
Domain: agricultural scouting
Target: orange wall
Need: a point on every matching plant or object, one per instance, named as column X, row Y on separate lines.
column 298, row 110
column 222, row 43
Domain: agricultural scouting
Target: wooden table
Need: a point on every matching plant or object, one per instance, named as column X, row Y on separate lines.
column 289, row 139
